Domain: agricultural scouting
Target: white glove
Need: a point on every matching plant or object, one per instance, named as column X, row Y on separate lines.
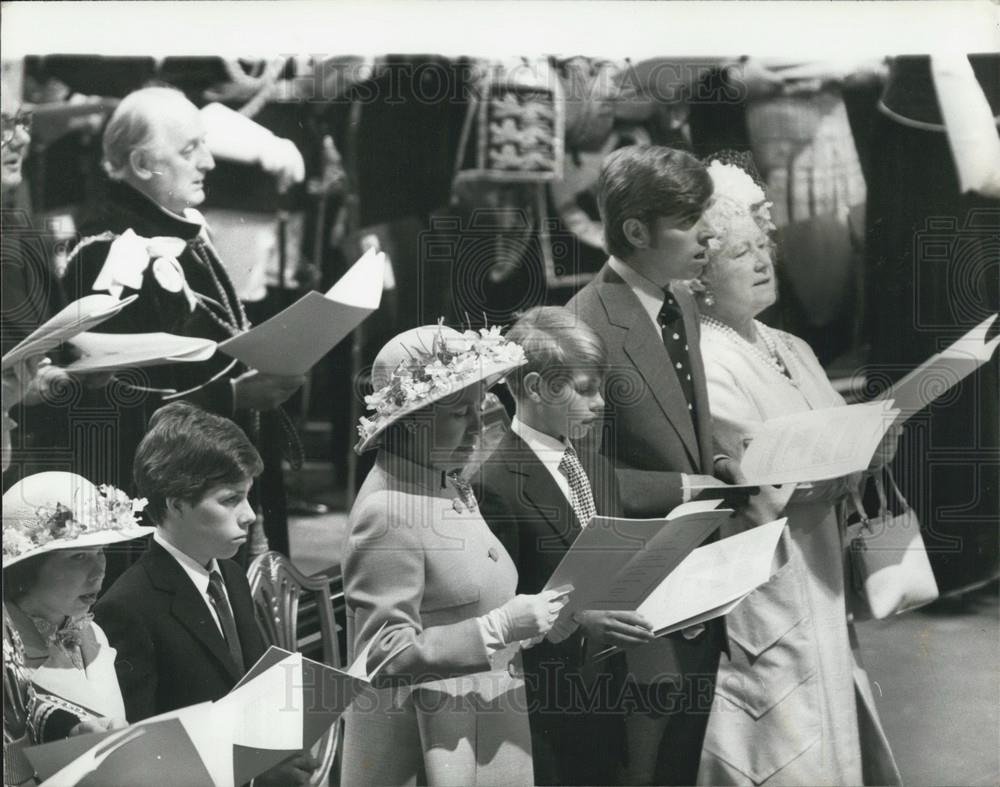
column 526, row 617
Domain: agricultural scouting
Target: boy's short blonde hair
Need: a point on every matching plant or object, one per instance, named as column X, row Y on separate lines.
column 558, row 346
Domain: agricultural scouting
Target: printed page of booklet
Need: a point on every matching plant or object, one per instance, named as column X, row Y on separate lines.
column 817, row 444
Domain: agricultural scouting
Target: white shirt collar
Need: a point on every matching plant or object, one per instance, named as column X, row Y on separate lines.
column 199, row 574
column 650, row 296
column 539, row 442
column 548, row 449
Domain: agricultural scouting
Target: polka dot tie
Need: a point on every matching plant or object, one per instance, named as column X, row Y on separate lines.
column 580, row 495
column 671, row 321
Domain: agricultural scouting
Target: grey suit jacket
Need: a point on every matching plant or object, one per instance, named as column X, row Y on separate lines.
column 651, row 436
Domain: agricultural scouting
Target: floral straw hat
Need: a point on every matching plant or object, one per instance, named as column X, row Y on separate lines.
column 420, row 366
column 55, row 510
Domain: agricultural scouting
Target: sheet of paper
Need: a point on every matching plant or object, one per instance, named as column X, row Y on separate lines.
column 130, row 757
column 942, row 371
column 293, row 340
column 713, row 575
column 108, row 352
column 815, row 445
column 81, row 315
column 269, row 709
column 711, row 581
column 615, row 563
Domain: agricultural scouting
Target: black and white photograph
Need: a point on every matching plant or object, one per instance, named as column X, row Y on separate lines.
column 467, row 392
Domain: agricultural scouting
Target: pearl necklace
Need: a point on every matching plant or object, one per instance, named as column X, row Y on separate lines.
column 771, row 357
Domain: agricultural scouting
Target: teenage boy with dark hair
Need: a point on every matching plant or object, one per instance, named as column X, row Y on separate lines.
column 660, row 432
column 181, row 617
column 537, row 492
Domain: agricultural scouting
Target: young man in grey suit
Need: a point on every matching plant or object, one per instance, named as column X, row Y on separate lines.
column 660, row 442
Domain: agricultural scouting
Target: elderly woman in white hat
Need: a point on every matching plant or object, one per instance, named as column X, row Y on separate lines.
column 423, row 572
column 55, row 528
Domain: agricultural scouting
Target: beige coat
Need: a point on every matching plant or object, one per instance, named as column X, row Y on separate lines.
column 426, row 567
column 793, row 703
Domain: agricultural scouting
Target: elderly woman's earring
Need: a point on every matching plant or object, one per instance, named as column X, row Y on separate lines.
column 707, row 296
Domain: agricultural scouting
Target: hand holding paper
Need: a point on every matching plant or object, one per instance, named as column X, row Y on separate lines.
column 618, row 628
column 712, row 580
column 614, row 563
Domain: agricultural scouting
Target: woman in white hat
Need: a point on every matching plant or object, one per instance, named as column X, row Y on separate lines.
column 55, row 528
column 423, row 572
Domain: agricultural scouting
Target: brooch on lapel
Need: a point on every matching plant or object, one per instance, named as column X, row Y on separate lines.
column 466, row 500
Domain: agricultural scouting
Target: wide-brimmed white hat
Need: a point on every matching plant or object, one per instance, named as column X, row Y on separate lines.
column 423, row 365
column 56, row 510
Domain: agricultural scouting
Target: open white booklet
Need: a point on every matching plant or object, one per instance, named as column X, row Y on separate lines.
column 284, row 704
column 816, row 444
column 81, row 315
column 943, row 371
column 296, row 338
column 615, row 563
column 109, row 352
column 711, row 581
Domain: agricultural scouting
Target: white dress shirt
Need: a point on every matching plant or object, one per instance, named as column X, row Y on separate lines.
column 549, row 450
column 651, row 298
column 198, row 574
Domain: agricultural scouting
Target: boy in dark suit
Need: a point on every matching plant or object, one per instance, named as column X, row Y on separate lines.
column 182, row 618
column 660, row 439
column 537, row 492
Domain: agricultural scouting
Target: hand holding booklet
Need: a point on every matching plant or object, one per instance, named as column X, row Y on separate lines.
column 292, row 341
column 711, row 581
column 283, row 705
column 615, row 563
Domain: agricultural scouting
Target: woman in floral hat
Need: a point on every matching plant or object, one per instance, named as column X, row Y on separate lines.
column 55, row 528
column 423, row 573
column 793, row 703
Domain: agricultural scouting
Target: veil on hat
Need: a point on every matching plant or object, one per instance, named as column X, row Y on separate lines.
column 737, row 158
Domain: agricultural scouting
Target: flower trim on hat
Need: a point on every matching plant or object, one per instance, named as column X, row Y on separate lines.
column 735, row 194
column 442, row 370
column 113, row 511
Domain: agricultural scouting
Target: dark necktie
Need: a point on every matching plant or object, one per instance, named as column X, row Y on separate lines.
column 671, row 321
column 217, row 592
column 581, row 497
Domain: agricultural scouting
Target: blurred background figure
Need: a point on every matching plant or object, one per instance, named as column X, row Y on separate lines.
column 933, row 272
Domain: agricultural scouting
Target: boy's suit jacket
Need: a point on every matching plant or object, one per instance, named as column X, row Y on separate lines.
column 524, row 506
column 170, row 650
column 651, row 438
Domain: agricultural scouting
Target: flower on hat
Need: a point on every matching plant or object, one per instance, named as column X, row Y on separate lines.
column 448, row 366
column 111, row 510
column 735, row 194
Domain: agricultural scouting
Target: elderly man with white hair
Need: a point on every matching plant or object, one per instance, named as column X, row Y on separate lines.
column 148, row 239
